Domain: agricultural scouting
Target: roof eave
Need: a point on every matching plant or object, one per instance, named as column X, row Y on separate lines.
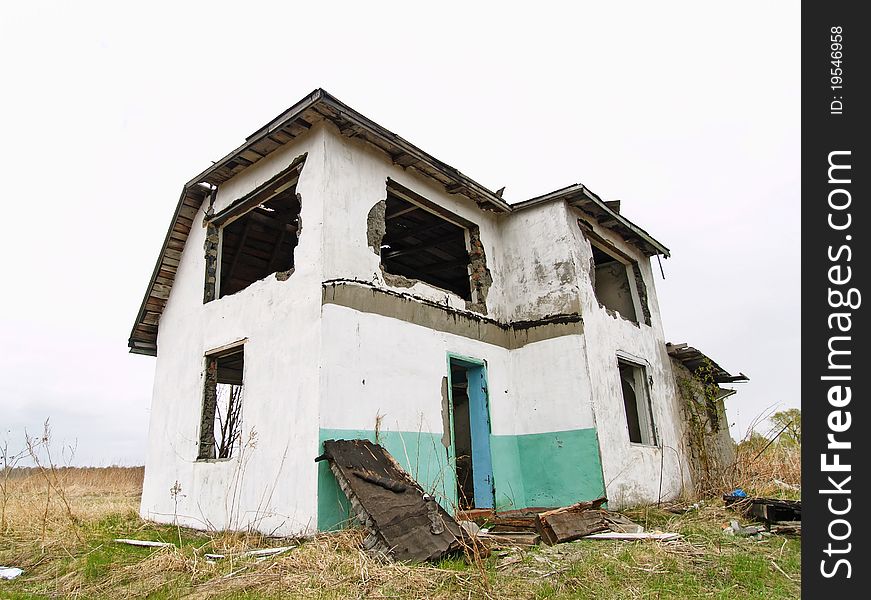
column 579, row 196
column 335, row 109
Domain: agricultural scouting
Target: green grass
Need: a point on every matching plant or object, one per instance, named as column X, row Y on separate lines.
column 705, row 563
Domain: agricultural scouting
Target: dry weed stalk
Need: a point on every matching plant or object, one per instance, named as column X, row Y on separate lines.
column 49, row 472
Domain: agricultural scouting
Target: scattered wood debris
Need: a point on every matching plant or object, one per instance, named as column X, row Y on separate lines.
column 620, row 524
column 779, row 516
column 403, row 521
column 406, row 523
column 583, row 520
column 772, row 510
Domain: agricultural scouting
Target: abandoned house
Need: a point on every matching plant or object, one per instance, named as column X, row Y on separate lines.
column 329, row 280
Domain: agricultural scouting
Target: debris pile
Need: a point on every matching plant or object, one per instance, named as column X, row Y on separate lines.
column 587, row 520
column 778, row 515
column 406, row 523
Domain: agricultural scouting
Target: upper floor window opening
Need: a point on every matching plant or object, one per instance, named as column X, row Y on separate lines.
column 420, row 244
column 614, row 281
column 260, row 242
column 255, row 236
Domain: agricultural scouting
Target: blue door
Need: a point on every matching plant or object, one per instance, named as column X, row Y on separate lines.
column 470, row 433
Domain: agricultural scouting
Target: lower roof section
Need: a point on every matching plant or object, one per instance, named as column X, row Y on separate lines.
column 692, row 359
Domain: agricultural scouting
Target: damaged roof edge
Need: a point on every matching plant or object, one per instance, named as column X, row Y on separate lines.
column 692, row 358
column 321, row 97
column 142, row 340
column 578, row 195
column 319, row 105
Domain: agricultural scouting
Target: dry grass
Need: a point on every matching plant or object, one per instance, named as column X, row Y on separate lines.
column 760, row 469
column 35, row 507
column 768, row 471
column 72, row 555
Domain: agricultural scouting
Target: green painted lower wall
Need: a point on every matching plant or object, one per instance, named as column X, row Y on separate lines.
column 540, row 469
column 546, row 469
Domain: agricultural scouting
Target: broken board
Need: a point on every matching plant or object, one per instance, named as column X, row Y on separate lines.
column 403, row 521
column 571, row 522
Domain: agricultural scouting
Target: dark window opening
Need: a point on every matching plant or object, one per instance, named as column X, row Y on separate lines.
column 421, row 245
column 221, row 425
column 462, row 437
column 260, row 242
column 612, row 285
column 636, row 402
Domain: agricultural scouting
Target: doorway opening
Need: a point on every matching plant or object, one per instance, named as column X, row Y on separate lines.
column 470, row 433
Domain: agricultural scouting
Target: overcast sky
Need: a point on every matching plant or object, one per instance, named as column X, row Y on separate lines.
column 687, row 112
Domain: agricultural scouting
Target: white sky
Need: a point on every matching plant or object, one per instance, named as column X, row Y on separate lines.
column 687, row 112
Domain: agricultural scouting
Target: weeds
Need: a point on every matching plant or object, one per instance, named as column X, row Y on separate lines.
column 61, row 523
column 704, row 563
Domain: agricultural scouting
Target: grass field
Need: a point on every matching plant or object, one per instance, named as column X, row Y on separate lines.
column 59, row 526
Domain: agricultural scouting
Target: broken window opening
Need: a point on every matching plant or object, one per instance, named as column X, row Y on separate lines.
column 613, row 284
column 221, row 424
column 260, row 242
column 419, row 244
column 636, row 402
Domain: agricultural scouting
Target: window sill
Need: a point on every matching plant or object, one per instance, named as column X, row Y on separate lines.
column 642, row 445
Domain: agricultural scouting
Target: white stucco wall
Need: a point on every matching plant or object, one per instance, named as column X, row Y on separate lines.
column 273, row 479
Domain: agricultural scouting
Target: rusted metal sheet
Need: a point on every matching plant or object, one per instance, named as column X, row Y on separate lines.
column 403, row 521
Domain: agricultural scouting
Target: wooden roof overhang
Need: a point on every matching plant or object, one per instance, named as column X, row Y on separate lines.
column 294, row 122
column 692, row 359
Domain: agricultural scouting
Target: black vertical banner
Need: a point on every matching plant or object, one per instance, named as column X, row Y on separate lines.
column 836, row 424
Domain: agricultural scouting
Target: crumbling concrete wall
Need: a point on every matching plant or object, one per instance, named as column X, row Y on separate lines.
column 479, row 274
column 709, row 445
column 635, row 473
column 354, row 196
column 538, row 265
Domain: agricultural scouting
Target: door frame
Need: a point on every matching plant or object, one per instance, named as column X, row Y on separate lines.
column 483, row 480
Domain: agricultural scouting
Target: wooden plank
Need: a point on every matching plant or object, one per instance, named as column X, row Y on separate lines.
column 570, row 522
column 614, row 535
column 512, row 538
